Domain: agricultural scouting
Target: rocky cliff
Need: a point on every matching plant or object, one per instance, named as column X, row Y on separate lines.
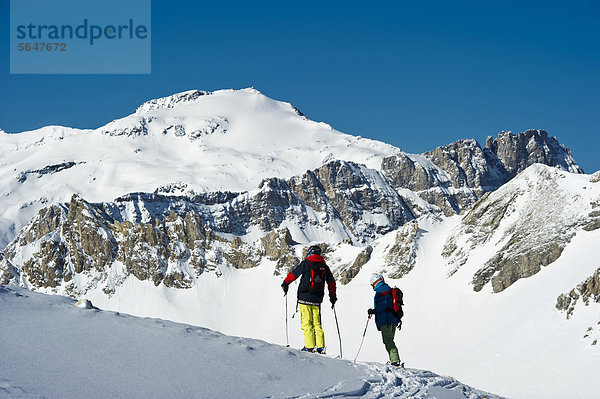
column 585, row 293
column 169, row 237
column 453, row 177
column 518, row 151
column 528, row 222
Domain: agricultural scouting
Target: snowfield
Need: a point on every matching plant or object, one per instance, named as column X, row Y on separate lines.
column 52, row 348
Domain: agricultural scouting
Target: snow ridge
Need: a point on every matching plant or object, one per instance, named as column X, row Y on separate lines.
column 170, row 101
column 172, row 356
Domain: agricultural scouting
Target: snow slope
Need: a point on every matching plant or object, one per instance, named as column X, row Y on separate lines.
column 52, row 348
column 191, row 141
column 515, row 342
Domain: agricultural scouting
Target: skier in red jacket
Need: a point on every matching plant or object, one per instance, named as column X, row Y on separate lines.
column 311, row 290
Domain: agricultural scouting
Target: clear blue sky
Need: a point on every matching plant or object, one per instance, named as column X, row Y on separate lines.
column 416, row 74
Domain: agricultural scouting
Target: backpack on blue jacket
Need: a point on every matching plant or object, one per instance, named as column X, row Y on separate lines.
column 397, row 302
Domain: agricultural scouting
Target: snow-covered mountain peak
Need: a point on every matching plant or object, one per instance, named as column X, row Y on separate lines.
column 248, row 98
column 254, row 119
column 228, row 141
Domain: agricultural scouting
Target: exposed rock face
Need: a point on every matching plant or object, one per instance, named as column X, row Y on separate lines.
column 170, row 239
column 46, row 267
column 47, row 220
column 468, row 165
column 593, row 221
column 8, row 272
column 519, row 151
column 587, row 291
column 171, row 250
column 345, row 275
column 415, row 173
column 170, row 101
column 530, row 220
column 402, row 257
column 87, row 241
column 453, row 177
column 352, row 201
column 241, row 255
column 503, row 270
column 139, row 127
column 142, row 126
column 277, row 245
column 47, row 170
column 269, row 207
column 363, row 199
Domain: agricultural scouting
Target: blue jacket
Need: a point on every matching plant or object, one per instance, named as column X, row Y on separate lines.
column 383, row 302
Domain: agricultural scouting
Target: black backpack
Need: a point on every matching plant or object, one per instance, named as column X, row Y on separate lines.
column 317, row 278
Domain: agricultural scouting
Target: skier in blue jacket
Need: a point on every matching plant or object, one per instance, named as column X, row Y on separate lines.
column 384, row 318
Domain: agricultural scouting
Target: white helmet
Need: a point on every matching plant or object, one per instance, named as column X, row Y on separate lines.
column 376, row 279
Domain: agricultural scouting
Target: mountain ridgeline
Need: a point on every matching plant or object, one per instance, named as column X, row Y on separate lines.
column 171, row 239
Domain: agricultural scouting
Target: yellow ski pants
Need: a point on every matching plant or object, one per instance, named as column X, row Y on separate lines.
column 310, row 318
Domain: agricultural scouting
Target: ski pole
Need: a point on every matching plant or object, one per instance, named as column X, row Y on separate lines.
column 363, row 338
column 287, row 337
column 338, row 330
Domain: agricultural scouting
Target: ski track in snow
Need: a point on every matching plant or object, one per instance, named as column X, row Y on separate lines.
column 387, row 381
column 8, row 390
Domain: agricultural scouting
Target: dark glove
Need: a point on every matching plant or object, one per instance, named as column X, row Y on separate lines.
column 371, row 312
column 399, row 325
column 332, row 299
column 285, row 287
